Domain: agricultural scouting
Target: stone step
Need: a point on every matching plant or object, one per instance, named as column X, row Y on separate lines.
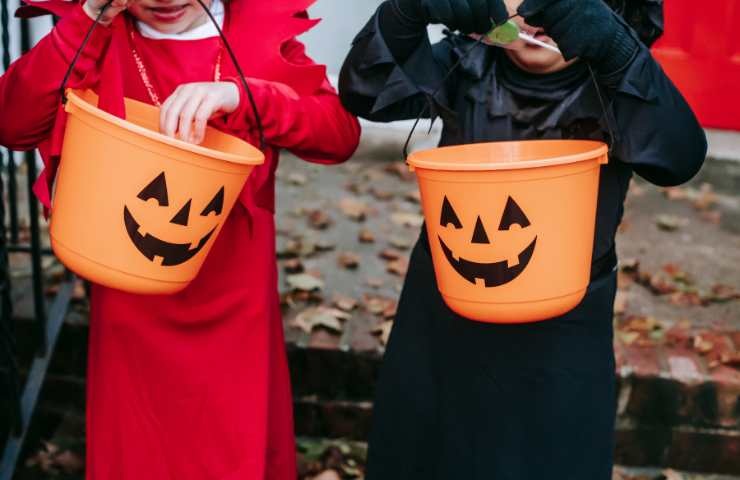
column 673, row 410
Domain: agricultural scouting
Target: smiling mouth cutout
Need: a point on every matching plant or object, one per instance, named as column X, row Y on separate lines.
column 171, row 253
column 493, row 274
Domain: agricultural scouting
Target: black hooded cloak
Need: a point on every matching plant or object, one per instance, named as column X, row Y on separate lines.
column 458, row 399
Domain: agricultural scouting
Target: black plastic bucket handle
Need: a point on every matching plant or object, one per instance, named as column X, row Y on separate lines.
column 242, row 78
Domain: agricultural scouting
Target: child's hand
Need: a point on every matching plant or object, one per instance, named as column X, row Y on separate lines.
column 186, row 112
column 468, row 16
column 92, row 9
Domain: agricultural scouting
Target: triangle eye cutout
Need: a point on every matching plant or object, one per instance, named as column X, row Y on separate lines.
column 513, row 214
column 449, row 216
column 216, row 205
column 181, row 218
column 157, row 190
column 479, row 234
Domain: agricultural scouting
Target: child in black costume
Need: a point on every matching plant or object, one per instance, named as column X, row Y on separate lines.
column 459, row 399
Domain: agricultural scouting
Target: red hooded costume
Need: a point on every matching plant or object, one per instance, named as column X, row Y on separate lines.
column 192, row 386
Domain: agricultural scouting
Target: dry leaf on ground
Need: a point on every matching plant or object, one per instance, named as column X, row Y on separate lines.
column 329, row 318
column 319, row 219
column 398, row 267
column 305, row 282
column 348, row 260
column 390, row 254
column 295, row 178
column 293, row 265
column 383, row 330
column 344, row 302
column 670, row 223
column 354, row 209
column 366, row 236
column 407, row 219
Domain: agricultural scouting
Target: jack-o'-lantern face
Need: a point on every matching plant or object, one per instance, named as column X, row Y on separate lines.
column 493, row 257
column 153, row 247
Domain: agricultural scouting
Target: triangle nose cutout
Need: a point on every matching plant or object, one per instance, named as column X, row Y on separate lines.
column 182, row 216
column 480, row 235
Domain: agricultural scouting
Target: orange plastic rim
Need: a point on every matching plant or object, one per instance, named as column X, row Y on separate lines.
column 511, row 225
column 134, row 209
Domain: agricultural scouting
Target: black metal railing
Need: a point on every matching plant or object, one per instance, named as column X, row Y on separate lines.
column 21, row 384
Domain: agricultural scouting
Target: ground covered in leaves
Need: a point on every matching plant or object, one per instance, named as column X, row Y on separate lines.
column 344, row 236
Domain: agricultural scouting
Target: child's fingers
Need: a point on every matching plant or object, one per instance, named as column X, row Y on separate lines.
column 187, row 115
column 170, row 114
column 206, row 109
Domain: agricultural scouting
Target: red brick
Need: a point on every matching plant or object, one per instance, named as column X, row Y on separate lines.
column 727, row 386
column 713, row 451
column 640, row 361
column 685, row 366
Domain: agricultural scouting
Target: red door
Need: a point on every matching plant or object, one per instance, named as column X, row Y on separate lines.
column 700, row 51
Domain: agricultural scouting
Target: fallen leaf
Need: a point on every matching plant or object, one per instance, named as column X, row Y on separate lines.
column 390, row 254
column 344, row 303
column 402, row 243
column 628, row 338
column 686, row 299
column 722, row 293
column 296, row 178
column 641, row 324
column 670, row 223
column 377, row 305
column 383, row 330
column 675, row 193
column 706, row 197
column 380, row 194
column 293, row 265
column 329, row 318
column 398, row 267
column 702, row 345
column 305, row 282
column 319, row 219
column 413, row 196
column 677, row 274
column 348, row 260
column 661, row 284
column 407, row 219
column 629, row 265
column 324, row 246
column 366, row 236
column 353, row 209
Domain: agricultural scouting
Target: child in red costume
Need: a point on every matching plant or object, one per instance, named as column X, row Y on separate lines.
column 192, row 386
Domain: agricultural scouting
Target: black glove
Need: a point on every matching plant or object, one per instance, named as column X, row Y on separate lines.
column 467, row 16
column 588, row 29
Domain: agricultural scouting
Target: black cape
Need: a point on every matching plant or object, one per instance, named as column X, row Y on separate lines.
column 459, row 399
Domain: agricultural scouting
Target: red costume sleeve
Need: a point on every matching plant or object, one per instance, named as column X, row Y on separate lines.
column 29, row 90
column 314, row 127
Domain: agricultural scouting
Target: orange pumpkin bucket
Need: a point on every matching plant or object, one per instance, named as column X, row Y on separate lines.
column 511, row 225
column 134, row 209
